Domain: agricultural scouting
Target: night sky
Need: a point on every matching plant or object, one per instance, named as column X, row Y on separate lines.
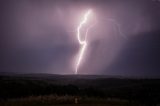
column 39, row 36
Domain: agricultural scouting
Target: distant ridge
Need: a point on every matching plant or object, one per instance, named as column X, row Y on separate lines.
column 72, row 76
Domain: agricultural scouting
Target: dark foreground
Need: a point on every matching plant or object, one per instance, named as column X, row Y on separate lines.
column 54, row 100
column 80, row 90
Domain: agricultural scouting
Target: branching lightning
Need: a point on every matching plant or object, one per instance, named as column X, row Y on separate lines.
column 117, row 26
column 83, row 43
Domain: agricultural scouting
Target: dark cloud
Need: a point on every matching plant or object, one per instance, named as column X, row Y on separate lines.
column 139, row 57
column 39, row 36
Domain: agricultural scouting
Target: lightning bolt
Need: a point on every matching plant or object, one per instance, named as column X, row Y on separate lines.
column 83, row 43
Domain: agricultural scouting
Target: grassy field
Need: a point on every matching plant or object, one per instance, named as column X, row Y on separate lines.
column 53, row 100
column 52, row 90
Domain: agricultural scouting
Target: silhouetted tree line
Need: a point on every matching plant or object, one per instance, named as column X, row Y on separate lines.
column 144, row 91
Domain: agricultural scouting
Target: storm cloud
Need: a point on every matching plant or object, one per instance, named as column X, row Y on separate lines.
column 39, row 36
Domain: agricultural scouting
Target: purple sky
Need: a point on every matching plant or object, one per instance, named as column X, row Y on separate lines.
column 39, row 36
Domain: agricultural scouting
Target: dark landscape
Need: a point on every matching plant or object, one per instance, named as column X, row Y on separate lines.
column 97, row 90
